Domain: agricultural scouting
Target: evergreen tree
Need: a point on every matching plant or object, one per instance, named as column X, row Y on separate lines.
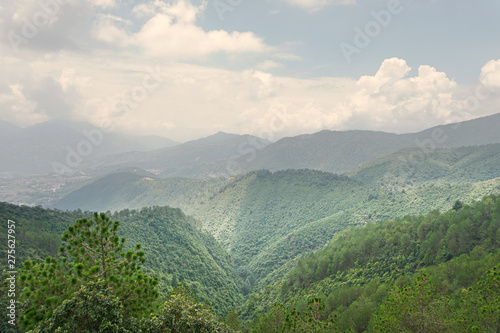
column 415, row 308
column 481, row 305
column 91, row 309
column 182, row 313
column 458, row 205
column 174, row 281
column 92, row 250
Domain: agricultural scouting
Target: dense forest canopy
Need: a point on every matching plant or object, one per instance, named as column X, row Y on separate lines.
column 363, row 280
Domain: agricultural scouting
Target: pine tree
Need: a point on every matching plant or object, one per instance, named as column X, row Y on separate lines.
column 92, row 251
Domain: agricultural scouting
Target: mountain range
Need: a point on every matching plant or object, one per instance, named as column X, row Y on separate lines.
column 34, row 150
column 259, row 221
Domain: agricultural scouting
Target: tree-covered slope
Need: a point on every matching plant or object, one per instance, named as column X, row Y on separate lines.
column 177, row 249
column 414, row 165
column 268, row 220
column 37, row 230
column 131, row 189
column 353, row 272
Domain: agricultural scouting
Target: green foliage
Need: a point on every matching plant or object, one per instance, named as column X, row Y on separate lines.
column 267, row 221
column 92, row 251
column 38, row 231
column 180, row 252
column 279, row 319
column 415, row 308
column 352, row 273
column 309, row 320
column 92, row 309
column 457, row 205
column 5, row 303
column 271, row 322
column 232, row 321
column 480, row 305
column 168, row 237
column 182, row 313
column 422, row 307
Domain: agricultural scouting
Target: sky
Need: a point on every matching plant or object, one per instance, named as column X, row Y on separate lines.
column 184, row 69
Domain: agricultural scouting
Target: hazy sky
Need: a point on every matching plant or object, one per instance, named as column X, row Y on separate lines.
column 185, row 69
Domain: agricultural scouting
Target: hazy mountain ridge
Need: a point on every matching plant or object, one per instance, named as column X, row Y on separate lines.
column 33, row 150
column 202, row 158
column 340, row 152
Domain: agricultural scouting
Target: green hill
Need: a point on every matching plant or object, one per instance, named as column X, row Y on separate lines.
column 130, row 189
column 412, row 165
column 174, row 245
column 354, row 271
column 266, row 221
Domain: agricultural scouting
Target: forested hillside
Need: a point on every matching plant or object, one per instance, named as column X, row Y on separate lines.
column 363, row 280
column 267, row 220
column 167, row 235
column 134, row 189
column 38, row 230
column 417, row 166
column 355, row 271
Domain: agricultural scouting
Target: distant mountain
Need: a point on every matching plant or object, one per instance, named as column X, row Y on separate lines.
column 203, row 158
column 339, row 152
column 329, row 151
column 34, row 150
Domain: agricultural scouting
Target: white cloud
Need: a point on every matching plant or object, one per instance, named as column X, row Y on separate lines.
column 314, row 5
column 391, row 101
column 16, row 108
column 171, row 31
column 196, row 100
column 268, row 64
column 103, row 3
column 490, row 74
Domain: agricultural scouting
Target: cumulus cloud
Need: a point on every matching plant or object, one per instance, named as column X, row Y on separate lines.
column 391, row 100
column 18, row 109
column 171, row 31
column 54, row 81
column 490, row 74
